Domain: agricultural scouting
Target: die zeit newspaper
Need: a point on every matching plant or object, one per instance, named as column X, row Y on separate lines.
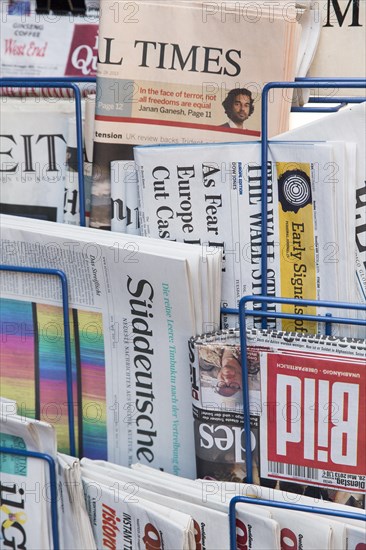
column 164, row 71
column 307, row 430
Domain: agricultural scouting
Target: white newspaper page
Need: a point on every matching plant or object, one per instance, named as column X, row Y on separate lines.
column 255, row 526
column 127, row 522
column 174, row 73
column 33, row 159
column 211, row 526
column 24, row 506
column 48, row 45
column 125, row 197
column 350, row 124
column 140, row 324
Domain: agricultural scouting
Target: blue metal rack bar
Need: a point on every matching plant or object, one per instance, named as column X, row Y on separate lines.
column 53, row 485
column 68, row 366
column 264, row 300
column 336, row 99
column 59, row 83
column 298, row 507
column 300, row 83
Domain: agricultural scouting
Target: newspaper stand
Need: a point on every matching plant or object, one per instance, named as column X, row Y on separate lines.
column 42, row 456
column 243, row 312
column 68, row 366
column 66, row 83
column 264, row 300
column 70, row 82
column 53, row 485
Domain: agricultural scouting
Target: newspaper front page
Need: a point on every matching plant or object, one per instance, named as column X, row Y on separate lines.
column 223, row 181
column 216, row 377
column 174, row 72
column 124, row 521
column 133, row 340
column 350, row 123
column 33, row 156
column 31, row 42
column 254, row 527
column 24, row 507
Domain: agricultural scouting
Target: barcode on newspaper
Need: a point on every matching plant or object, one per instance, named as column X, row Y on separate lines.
column 293, row 470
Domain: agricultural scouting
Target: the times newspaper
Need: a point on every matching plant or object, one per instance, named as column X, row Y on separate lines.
column 170, row 72
column 307, row 409
column 211, row 195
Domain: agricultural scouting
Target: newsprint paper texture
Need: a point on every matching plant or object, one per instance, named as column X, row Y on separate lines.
column 147, row 298
column 307, row 408
column 164, row 71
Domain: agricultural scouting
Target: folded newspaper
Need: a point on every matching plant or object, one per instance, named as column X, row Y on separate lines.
column 179, row 72
column 133, row 306
column 303, row 392
column 33, row 159
column 211, row 195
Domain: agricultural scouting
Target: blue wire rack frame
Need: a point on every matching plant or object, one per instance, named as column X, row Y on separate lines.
column 68, row 365
column 300, row 83
column 53, row 485
column 61, row 83
column 242, row 311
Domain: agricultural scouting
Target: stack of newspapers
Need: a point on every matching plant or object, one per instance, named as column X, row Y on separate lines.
column 25, row 495
column 211, row 195
column 141, row 506
column 306, row 398
column 177, row 72
column 133, row 305
column 39, row 169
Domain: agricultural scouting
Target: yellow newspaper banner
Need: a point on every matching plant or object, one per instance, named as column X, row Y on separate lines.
column 297, row 244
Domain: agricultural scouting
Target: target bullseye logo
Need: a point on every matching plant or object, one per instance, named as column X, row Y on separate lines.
column 294, row 190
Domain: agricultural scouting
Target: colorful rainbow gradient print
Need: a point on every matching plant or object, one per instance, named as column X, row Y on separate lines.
column 32, row 361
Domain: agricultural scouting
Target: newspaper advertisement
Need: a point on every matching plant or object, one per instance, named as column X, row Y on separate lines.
column 135, row 337
column 30, row 45
column 175, row 73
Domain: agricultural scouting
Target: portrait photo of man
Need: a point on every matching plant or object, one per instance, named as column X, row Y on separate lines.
column 238, row 106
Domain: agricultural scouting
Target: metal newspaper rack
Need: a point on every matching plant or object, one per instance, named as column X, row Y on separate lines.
column 68, row 367
column 53, row 485
column 243, row 312
column 65, row 83
column 264, row 300
column 69, row 82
